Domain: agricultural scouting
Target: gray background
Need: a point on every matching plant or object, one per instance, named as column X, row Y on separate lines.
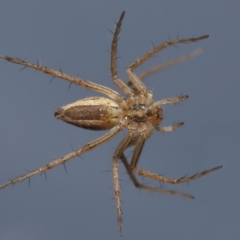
column 74, row 36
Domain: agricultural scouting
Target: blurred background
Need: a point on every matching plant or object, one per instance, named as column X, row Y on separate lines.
column 73, row 36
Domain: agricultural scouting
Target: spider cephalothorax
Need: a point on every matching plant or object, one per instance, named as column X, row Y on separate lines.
column 136, row 111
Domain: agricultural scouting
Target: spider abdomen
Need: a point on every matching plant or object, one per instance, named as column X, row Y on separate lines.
column 95, row 113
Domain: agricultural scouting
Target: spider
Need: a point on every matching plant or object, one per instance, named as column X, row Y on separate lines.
column 136, row 111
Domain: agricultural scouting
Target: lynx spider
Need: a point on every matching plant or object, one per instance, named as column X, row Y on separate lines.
column 137, row 112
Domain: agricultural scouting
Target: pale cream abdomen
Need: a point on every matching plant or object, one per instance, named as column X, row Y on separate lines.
column 95, row 113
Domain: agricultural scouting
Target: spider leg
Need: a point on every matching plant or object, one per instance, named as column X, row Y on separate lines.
column 119, row 151
column 109, row 135
column 80, row 82
column 169, row 128
column 170, row 100
column 160, row 47
column 137, row 151
column 121, row 84
column 135, row 79
column 170, row 63
column 144, row 187
column 157, row 177
column 160, row 67
column 139, row 142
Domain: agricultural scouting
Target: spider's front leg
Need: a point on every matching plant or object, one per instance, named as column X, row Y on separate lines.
column 136, row 80
column 168, row 64
column 133, row 168
column 121, row 84
column 169, row 101
column 148, row 188
column 160, row 47
column 161, row 178
column 138, row 142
